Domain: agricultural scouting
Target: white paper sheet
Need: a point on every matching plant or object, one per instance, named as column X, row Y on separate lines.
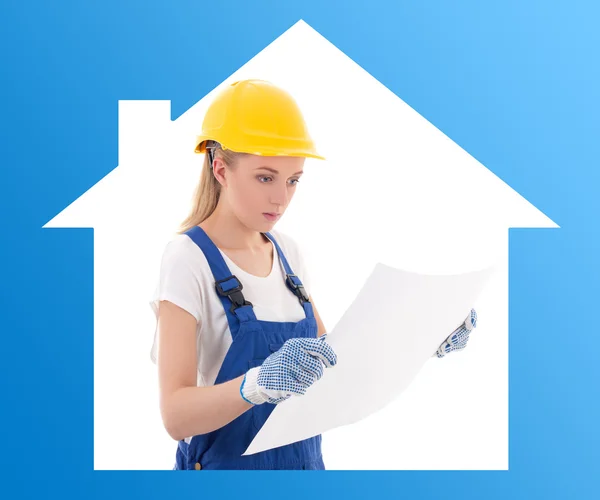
column 394, row 325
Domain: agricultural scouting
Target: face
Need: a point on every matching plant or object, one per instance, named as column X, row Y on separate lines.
column 263, row 184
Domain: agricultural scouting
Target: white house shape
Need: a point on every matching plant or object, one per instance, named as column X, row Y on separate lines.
column 393, row 189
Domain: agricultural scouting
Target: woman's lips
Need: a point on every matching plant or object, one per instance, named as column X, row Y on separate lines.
column 271, row 216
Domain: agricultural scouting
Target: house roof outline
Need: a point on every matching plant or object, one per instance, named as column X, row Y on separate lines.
column 144, row 125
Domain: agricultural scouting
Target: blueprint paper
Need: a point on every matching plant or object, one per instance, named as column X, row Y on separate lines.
column 394, row 325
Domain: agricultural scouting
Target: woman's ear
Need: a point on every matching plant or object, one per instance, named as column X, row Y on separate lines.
column 219, row 170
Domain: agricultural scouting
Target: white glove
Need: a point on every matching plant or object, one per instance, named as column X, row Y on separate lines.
column 292, row 369
column 458, row 339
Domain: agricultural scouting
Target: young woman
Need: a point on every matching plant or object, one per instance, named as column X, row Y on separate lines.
column 237, row 330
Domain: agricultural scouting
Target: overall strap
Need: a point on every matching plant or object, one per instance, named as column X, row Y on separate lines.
column 292, row 281
column 227, row 286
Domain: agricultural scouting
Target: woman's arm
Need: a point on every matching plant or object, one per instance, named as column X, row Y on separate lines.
column 188, row 410
column 318, row 318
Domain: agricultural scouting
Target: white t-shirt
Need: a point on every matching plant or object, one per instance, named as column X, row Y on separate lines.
column 187, row 281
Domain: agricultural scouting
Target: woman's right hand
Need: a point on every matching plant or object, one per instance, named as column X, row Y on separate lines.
column 292, row 369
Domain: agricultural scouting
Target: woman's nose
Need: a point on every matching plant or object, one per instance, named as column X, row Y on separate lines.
column 279, row 196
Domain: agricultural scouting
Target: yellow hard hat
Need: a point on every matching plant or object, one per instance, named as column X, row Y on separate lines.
column 256, row 117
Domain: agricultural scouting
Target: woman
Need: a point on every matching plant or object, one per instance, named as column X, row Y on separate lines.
column 238, row 331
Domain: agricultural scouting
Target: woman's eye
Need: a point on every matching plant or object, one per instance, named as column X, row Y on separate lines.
column 294, row 181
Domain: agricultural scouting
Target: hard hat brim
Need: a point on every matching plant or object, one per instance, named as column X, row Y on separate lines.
column 201, row 148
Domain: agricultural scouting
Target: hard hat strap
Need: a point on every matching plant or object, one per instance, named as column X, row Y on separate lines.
column 210, row 149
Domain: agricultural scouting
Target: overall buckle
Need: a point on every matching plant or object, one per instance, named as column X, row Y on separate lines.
column 233, row 293
column 296, row 288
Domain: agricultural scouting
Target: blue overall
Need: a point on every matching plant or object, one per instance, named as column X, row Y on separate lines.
column 252, row 342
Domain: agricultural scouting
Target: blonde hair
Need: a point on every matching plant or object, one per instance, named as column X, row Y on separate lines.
column 207, row 192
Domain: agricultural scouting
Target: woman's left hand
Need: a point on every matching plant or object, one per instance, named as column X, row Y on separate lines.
column 458, row 339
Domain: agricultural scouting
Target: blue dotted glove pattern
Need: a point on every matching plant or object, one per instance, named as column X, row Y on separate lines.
column 458, row 339
column 292, row 369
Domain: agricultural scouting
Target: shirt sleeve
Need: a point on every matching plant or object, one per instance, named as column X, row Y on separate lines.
column 178, row 282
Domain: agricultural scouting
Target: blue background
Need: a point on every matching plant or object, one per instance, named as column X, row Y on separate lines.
column 515, row 83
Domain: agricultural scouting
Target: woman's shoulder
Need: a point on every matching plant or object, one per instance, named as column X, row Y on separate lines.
column 290, row 246
column 181, row 249
column 295, row 254
column 287, row 242
column 178, row 246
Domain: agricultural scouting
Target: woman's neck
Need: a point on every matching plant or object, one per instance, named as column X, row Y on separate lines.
column 227, row 232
